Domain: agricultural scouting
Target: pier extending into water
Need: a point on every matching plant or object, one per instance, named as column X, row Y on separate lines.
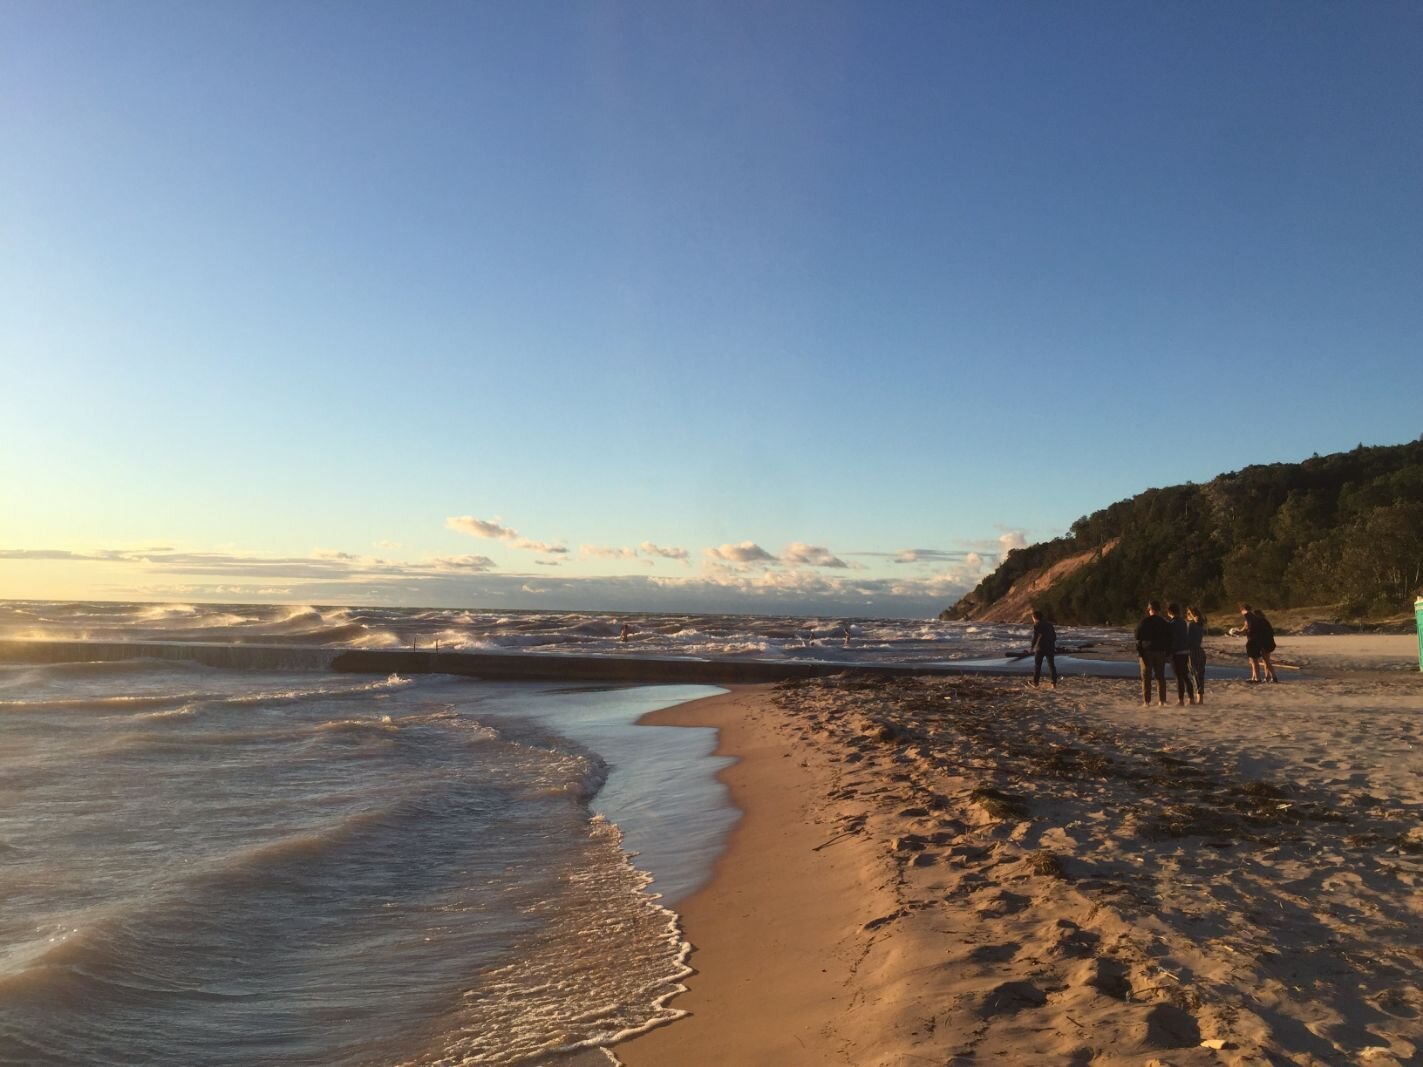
column 535, row 666
column 493, row 666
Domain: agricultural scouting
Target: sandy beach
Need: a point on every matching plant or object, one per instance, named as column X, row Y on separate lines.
column 964, row 870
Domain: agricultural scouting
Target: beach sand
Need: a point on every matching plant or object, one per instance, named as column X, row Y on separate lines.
column 963, row 870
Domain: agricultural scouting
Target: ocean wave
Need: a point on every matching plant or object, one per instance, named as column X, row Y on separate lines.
column 37, row 673
column 194, row 700
column 98, row 704
column 369, row 835
column 315, row 692
column 60, row 969
column 182, row 711
column 446, row 717
column 171, row 744
column 291, row 856
column 109, row 957
column 454, row 640
column 603, row 967
column 168, row 611
column 384, row 727
column 871, row 641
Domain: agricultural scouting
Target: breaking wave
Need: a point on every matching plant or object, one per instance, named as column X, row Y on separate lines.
column 836, row 640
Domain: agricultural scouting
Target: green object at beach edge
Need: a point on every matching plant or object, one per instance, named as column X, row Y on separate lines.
column 1418, row 615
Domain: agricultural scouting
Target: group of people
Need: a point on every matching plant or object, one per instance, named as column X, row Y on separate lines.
column 1171, row 637
column 1178, row 639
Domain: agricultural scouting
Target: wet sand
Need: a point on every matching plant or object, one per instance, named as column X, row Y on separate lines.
column 960, row 870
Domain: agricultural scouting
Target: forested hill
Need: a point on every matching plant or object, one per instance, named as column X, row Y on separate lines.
column 1343, row 531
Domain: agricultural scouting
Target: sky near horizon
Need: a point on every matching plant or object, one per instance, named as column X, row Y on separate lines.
column 811, row 308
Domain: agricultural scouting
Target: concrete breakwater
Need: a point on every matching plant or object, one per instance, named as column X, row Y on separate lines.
column 487, row 665
column 539, row 666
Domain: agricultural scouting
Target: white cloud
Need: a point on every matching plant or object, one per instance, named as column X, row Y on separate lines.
column 468, row 524
column 745, row 552
column 321, row 565
column 193, row 591
column 478, row 564
column 722, row 587
column 805, row 579
column 801, row 554
column 923, row 555
column 643, row 553
column 387, row 545
column 601, row 552
column 44, row 553
column 680, row 554
column 530, row 545
column 1011, row 540
column 814, row 590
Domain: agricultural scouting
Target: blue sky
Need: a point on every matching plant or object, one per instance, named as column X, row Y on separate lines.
column 287, row 292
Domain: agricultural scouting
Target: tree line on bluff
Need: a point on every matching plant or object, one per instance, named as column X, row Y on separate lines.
column 1343, row 531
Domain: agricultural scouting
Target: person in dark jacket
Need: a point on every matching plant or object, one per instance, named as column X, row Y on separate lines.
column 1181, row 655
column 1259, row 643
column 1153, row 649
column 1195, row 637
column 1044, row 648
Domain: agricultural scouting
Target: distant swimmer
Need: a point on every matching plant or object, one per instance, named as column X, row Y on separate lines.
column 847, row 637
column 627, row 632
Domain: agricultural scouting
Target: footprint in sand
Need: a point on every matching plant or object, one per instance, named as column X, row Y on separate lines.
column 994, row 953
column 1011, row 998
column 1070, row 941
column 1106, row 976
column 970, row 853
column 1167, row 1026
column 1003, row 903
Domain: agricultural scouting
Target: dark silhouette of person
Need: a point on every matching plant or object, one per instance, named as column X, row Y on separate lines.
column 1259, row 643
column 1044, row 648
column 1181, row 655
column 1153, row 649
column 1195, row 638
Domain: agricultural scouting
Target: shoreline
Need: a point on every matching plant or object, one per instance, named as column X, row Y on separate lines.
column 951, row 869
column 760, row 954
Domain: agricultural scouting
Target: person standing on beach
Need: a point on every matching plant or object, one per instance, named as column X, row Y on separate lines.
column 1195, row 638
column 1259, row 643
column 1044, row 648
column 1181, row 655
column 1153, row 649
